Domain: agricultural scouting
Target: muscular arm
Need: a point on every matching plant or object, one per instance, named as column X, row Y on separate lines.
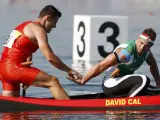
column 121, row 56
column 41, row 36
column 109, row 61
column 153, row 68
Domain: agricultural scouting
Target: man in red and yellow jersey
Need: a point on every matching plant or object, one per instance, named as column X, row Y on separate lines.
column 15, row 62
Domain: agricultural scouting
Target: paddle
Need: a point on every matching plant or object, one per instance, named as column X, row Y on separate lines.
column 24, row 87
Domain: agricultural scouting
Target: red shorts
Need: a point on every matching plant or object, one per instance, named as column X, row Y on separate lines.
column 13, row 74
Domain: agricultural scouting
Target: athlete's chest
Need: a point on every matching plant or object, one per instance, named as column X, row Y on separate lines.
column 135, row 62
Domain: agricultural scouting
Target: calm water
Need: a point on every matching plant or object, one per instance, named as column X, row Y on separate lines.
column 142, row 14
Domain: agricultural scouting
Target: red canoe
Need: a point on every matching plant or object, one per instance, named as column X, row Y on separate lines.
column 90, row 102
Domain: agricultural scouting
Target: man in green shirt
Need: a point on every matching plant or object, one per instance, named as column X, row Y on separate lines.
column 121, row 65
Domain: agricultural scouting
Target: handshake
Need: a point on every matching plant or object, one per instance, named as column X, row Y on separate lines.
column 74, row 76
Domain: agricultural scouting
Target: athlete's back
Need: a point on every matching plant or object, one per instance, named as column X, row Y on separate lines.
column 18, row 46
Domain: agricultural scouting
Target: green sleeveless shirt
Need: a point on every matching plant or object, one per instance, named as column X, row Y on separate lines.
column 135, row 62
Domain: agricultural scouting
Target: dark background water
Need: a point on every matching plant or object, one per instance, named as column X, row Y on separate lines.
column 142, row 14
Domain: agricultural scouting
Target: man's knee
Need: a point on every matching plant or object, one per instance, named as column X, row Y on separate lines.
column 8, row 93
column 54, row 81
column 47, row 81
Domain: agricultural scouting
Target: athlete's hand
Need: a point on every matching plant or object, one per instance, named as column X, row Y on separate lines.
column 74, row 76
column 71, row 77
column 115, row 72
column 27, row 64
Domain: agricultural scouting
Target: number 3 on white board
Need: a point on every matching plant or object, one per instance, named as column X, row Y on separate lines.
column 103, row 27
column 111, row 39
column 81, row 53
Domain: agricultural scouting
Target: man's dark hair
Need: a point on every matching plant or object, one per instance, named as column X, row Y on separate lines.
column 50, row 10
column 151, row 33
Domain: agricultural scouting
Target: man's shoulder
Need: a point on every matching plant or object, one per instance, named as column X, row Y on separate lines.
column 130, row 42
column 22, row 24
column 129, row 45
column 36, row 27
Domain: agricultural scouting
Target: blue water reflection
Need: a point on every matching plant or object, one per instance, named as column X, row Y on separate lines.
column 82, row 115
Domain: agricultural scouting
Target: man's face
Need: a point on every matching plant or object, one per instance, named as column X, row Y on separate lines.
column 143, row 45
column 51, row 23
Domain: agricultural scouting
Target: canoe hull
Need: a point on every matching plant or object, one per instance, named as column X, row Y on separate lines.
column 10, row 104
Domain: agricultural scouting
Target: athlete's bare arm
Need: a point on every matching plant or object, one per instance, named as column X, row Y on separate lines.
column 38, row 35
column 153, row 68
column 41, row 36
column 109, row 61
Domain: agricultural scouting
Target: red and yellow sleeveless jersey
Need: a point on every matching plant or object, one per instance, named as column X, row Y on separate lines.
column 18, row 47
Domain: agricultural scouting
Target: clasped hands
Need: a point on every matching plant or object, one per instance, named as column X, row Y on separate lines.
column 74, row 76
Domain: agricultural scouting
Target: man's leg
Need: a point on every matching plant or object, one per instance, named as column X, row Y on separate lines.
column 140, row 87
column 51, row 82
column 130, row 85
column 11, row 89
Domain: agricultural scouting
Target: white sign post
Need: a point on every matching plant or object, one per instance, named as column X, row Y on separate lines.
column 94, row 37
